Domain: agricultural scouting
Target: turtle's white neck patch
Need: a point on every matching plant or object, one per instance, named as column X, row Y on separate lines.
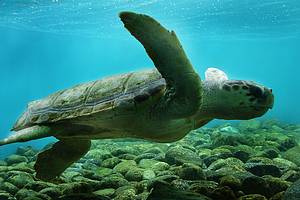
column 215, row 75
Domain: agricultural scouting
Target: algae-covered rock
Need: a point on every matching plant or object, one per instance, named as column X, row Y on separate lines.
column 24, row 167
column 223, row 151
column 53, row 192
column 6, row 196
column 203, row 187
column 105, row 192
column 134, row 174
column 3, row 163
column 165, row 178
column 204, row 152
column 142, row 196
column 87, row 175
column 13, row 159
column 276, row 185
column 284, row 164
column 165, row 172
column 293, row 192
column 163, row 190
column 255, row 185
column 152, row 156
column 70, row 175
column 113, row 181
column 83, row 196
column 22, row 149
column 224, row 193
column 253, row 197
column 231, row 181
column 190, row 171
column 262, row 166
column 249, row 125
column 154, row 150
column 33, row 198
column 287, row 143
column 89, row 166
column 224, row 171
column 181, row 184
column 216, row 154
column 243, row 152
column 147, row 163
column 268, row 123
column 160, row 166
column 291, row 175
column 278, row 196
column 9, row 170
column 125, row 150
column 270, row 152
column 220, row 139
column 7, row 186
column 127, row 156
column 210, row 159
column 148, row 174
column 75, row 187
column 27, row 151
column 233, row 163
column 24, row 193
column 276, row 139
column 20, row 179
column 125, row 166
column 102, row 171
column 110, row 162
column 230, row 129
column 125, row 193
column 38, row 185
column 179, row 155
column 98, row 154
column 293, row 155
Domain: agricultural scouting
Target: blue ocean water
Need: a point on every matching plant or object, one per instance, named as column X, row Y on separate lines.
column 49, row 45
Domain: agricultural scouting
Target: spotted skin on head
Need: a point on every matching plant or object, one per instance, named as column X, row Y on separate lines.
column 233, row 99
column 253, row 92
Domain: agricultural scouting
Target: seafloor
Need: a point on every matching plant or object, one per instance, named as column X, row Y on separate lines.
column 252, row 160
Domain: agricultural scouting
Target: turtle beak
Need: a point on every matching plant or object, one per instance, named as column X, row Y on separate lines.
column 264, row 96
column 269, row 96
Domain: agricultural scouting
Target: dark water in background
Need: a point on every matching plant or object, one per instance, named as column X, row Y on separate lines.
column 50, row 45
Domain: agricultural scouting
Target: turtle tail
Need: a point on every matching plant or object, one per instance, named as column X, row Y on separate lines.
column 27, row 134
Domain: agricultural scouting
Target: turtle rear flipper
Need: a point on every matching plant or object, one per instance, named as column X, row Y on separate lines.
column 27, row 134
column 184, row 90
column 52, row 162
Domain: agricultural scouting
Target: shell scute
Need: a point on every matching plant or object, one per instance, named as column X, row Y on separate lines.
column 106, row 88
column 72, row 97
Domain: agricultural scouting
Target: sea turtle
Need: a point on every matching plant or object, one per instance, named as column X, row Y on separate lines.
column 161, row 104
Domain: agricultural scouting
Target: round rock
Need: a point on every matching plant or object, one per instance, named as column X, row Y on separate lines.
column 179, row 155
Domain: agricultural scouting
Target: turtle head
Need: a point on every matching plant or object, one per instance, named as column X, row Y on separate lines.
column 245, row 99
column 234, row 99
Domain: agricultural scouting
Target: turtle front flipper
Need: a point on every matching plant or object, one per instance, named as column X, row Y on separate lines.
column 52, row 162
column 184, row 90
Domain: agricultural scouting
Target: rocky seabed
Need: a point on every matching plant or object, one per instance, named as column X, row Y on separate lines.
column 252, row 160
